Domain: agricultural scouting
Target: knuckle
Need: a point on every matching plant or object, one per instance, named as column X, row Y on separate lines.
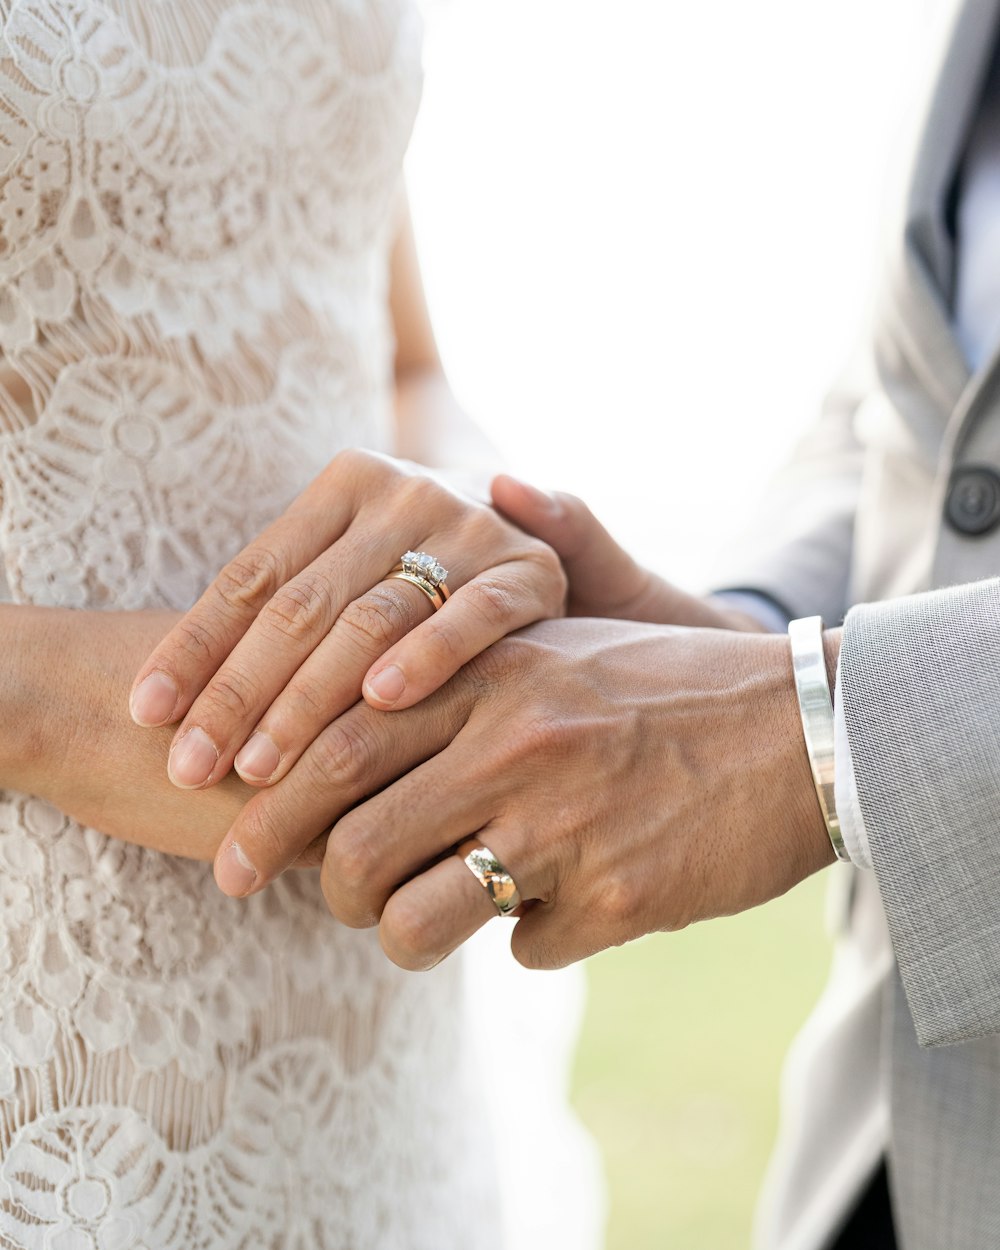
column 197, row 639
column 379, row 618
column 620, row 901
column 412, row 490
column 493, row 601
column 301, row 609
column 342, row 757
column 306, row 699
column 547, row 733
column 444, row 642
column 355, row 860
column 351, row 460
column 341, row 906
column 483, row 525
column 233, row 693
column 409, row 934
column 540, row 734
column 262, row 840
column 498, row 667
column 249, row 580
column 554, row 582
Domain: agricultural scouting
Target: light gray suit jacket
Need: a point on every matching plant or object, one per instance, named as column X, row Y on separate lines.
column 903, row 1053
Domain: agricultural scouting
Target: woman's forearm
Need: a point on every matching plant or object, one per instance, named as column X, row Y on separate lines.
column 66, row 734
column 433, row 429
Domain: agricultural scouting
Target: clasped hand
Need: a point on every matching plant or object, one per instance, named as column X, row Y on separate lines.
column 631, row 777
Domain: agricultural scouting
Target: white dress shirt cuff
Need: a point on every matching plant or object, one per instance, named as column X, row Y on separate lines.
column 852, row 823
column 759, row 607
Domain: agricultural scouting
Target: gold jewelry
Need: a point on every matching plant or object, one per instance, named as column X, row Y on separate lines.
column 423, row 571
column 816, row 710
column 491, row 874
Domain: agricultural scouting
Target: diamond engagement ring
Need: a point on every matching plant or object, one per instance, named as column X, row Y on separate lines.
column 491, row 874
column 425, row 572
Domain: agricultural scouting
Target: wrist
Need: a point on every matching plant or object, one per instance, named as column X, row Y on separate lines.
column 806, row 840
column 67, row 737
column 32, row 654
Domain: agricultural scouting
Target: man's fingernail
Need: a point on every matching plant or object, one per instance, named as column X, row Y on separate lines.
column 192, row 759
column 234, row 874
column 153, row 700
column 258, row 759
column 386, row 686
column 542, row 498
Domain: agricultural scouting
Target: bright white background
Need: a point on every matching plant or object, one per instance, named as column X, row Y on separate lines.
column 648, row 230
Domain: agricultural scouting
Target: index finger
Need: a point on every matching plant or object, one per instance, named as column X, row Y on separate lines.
column 356, row 756
column 196, row 647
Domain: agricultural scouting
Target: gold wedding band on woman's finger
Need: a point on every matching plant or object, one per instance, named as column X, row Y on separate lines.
column 492, row 876
column 427, row 573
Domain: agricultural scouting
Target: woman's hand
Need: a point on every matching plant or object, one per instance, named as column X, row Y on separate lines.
column 604, row 580
column 303, row 619
column 630, row 777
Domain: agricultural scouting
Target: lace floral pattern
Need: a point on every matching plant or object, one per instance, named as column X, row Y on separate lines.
column 195, row 207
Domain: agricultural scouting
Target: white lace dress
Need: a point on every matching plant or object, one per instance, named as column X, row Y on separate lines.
column 195, row 200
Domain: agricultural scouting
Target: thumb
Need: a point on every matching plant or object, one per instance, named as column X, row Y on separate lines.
column 562, row 521
column 602, row 574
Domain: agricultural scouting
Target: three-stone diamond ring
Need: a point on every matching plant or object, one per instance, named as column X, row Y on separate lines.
column 426, row 572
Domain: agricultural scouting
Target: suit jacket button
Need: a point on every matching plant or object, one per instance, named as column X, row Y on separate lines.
column 973, row 503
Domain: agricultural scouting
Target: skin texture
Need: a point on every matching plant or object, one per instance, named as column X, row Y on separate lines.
column 74, row 743
column 280, row 643
column 631, row 777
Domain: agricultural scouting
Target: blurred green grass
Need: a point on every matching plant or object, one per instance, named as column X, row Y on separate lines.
column 678, row 1068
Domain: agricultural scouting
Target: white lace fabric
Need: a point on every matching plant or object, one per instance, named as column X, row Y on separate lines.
column 195, row 206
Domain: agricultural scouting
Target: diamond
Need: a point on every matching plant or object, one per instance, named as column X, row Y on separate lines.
column 420, row 564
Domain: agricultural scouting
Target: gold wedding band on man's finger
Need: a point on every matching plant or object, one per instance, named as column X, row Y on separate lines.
column 433, row 913
column 491, row 874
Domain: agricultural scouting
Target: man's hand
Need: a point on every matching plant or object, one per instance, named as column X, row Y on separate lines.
column 604, row 580
column 630, row 778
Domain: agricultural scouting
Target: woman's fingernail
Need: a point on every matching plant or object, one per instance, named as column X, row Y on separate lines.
column 153, row 700
column 386, row 686
column 234, row 873
column 192, row 759
column 258, row 759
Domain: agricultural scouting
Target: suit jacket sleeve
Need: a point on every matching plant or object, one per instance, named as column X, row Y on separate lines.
column 920, row 680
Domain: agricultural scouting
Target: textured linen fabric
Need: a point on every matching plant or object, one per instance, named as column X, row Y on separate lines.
column 922, row 702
